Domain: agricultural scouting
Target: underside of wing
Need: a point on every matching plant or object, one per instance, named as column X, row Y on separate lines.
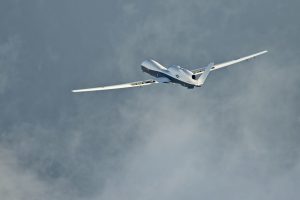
column 225, row 64
column 120, row 86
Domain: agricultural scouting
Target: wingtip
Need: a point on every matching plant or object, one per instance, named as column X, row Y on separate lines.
column 262, row 52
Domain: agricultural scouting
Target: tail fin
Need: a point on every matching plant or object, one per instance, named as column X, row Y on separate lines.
column 204, row 75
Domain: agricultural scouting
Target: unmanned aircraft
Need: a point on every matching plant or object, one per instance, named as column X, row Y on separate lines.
column 173, row 74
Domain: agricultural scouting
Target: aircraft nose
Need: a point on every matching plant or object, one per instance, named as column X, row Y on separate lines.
column 152, row 65
column 145, row 65
column 144, row 69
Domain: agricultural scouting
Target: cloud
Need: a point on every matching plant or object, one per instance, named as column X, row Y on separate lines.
column 17, row 183
column 230, row 150
column 235, row 138
column 9, row 52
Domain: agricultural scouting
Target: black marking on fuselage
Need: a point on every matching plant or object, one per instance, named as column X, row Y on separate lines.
column 160, row 74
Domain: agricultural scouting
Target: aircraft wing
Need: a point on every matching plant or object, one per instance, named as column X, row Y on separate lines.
column 225, row 64
column 120, row 86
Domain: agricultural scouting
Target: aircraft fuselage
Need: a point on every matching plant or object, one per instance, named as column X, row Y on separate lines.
column 174, row 74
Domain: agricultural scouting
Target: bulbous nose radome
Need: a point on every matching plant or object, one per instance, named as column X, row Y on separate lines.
column 152, row 65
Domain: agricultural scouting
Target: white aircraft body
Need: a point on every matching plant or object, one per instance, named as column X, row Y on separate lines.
column 173, row 74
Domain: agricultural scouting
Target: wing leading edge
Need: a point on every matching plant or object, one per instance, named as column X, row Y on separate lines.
column 120, row 86
column 225, row 64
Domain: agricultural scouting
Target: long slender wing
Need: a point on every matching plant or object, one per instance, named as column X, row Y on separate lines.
column 120, row 86
column 225, row 64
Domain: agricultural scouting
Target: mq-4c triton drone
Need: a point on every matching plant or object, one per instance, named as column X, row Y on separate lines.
column 173, row 74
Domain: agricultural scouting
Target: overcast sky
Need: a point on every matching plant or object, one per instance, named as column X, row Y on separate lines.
column 238, row 137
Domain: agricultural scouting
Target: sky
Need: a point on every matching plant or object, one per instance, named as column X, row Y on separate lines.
column 235, row 138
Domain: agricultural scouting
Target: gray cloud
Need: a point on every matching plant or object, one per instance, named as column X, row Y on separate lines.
column 9, row 58
column 237, row 137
